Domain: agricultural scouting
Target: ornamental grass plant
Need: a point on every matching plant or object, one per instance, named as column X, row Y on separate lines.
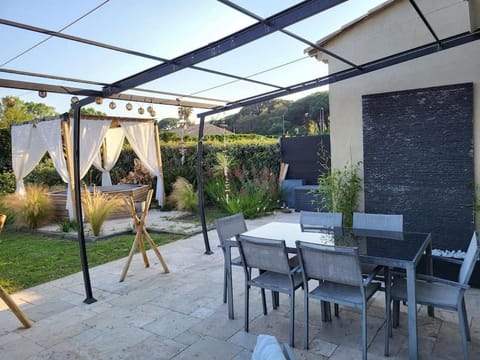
column 183, row 195
column 32, row 210
column 97, row 206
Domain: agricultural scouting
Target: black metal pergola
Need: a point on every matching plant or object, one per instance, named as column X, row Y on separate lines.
column 262, row 27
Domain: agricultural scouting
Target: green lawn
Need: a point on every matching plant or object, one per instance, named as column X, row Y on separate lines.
column 28, row 259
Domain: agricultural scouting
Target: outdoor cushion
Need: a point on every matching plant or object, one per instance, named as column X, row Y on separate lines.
column 267, row 348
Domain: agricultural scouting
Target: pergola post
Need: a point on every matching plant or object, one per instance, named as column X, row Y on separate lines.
column 201, row 201
column 78, row 205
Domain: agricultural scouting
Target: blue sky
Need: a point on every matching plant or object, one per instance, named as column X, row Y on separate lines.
column 166, row 29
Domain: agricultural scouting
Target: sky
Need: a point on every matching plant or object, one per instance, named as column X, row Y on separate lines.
column 165, row 29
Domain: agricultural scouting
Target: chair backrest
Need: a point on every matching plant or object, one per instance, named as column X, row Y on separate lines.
column 2, row 221
column 470, row 260
column 332, row 263
column 229, row 227
column 386, row 222
column 264, row 254
column 311, row 220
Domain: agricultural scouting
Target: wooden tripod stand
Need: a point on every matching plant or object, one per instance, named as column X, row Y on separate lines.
column 7, row 298
column 140, row 228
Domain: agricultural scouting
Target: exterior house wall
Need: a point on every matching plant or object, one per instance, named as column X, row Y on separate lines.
column 392, row 29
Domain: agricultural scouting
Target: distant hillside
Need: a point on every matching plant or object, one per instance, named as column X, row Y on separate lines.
column 308, row 115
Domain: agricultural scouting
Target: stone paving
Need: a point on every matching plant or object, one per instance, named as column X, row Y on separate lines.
column 181, row 315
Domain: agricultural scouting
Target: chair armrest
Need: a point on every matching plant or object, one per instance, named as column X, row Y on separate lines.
column 448, row 259
column 372, row 275
column 295, row 269
column 442, row 281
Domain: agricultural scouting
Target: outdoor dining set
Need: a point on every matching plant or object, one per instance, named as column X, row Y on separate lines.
column 343, row 266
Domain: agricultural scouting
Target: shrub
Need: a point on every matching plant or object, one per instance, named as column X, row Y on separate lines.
column 184, row 196
column 32, row 210
column 7, row 183
column 97, row 206
column 339, row 190
column 67, row 225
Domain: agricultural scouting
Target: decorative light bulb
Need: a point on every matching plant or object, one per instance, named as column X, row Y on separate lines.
column 112, row 105
column 42, row 93
column 129, row 106
column 74, row 100
column 152, row 113
column 141, row 110
column 99, row 100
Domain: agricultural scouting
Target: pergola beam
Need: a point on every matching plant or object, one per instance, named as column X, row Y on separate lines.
column 256, row 31
column 425, row 21
column 15, row 84
column 289, row 33
column 120, row 49
column 427, row 49
column 83, row 81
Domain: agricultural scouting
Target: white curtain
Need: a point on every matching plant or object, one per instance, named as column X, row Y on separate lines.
column 113, row 147
column 27, row 150
column 141, row 137
column 92, row 133
column 51, row 134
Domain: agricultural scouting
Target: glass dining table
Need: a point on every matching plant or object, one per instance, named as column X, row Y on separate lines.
column 401, row 250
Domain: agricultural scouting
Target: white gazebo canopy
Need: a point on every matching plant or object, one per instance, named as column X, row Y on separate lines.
column 102, row 139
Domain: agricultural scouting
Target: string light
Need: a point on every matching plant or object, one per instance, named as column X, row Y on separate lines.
column 74, row 100
column 42, row 93
column 112, row 105
column 99, row 100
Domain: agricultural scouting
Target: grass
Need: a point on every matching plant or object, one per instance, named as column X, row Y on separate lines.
column 28, row 259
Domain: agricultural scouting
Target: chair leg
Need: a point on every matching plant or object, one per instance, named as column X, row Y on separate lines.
column 247, row 289
column 464, row 310
column 225, row 275
column 292, row 318
column 264, row 302
column 364, row 330
column 463, row 332
column 305, row 318
column 396, row 314
column 388, row 315
column 336, row 310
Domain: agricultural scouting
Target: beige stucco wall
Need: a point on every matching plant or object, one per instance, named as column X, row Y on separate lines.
column 389, row 31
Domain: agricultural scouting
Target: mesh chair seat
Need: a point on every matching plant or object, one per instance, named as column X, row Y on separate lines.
column 343, row 294
column 276, row 282
column 442, row 295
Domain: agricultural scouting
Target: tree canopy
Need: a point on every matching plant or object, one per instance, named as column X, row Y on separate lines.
column 308, row 115
column 14, row 110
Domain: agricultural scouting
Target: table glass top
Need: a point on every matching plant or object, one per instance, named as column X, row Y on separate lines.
column 380, row 247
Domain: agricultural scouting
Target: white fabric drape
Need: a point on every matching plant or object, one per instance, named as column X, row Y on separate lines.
column 51, row 134
column 27, row 151
column 141, row 137
column 113, row 147
column 92, row 133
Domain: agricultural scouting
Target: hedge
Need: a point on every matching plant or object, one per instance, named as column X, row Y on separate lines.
column 251, row 152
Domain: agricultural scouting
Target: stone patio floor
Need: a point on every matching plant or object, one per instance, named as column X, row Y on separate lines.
column 181, row 315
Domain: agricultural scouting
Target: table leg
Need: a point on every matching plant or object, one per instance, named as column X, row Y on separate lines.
column 141, row 245
column 130, row 256
column 155, row 250
column 412, row 313
column 15, row 309
column 228, row 264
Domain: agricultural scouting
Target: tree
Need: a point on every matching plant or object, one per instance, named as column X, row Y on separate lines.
column 13, row 110
column 168, row 123
column 185, row 112
column 91, row 111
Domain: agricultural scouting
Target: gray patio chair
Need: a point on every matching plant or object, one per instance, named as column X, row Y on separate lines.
column 441, row 293
column 383, row 222
column 229, row 227
column 320, row 221
column 279, row 274
column 341, row 281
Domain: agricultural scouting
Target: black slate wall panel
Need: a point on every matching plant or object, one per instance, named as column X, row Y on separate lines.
column 418, row 160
